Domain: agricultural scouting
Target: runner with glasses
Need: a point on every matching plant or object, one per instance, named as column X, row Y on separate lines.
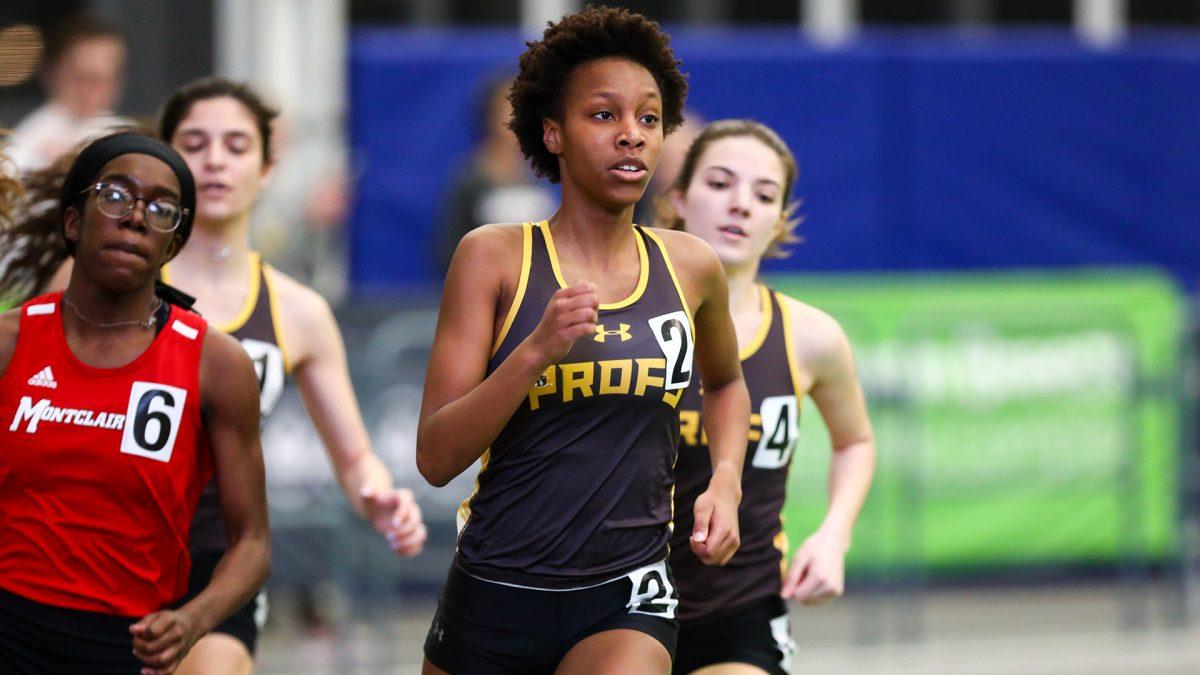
column 223, row 131
column 115, row 201
column 116, row 407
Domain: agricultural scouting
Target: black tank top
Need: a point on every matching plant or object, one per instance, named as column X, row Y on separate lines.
column 755, row 571
column 257, row 328
column 576, row 489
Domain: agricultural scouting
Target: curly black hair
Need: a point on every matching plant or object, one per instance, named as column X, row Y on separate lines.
column 29, row 229
column 594, row 33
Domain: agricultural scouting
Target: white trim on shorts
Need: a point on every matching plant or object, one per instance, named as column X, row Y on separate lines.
column 560, row 590
column 781, row 630
column 260, row 610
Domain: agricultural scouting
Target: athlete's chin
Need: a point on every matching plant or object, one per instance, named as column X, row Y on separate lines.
column 214, row 211
column 735, row 256
column 622, row 197
column 123, row 280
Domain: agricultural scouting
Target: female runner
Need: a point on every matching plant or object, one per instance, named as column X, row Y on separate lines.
column 227, row 144
column 223, row 130
column 561, row 351
column 733, row 192
column 119, row 406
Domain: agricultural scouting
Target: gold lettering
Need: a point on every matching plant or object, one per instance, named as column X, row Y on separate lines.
column 577, row 376
column 645, row 379
column 755, row 428
column 689, row 426
column 547, row 384
column 622, row 367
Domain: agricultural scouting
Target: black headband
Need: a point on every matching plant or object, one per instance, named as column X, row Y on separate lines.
column 92, row 159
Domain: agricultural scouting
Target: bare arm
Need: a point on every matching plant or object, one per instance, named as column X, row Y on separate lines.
column 817, row 570
column 229, row 400
column 462, row 411
column 323, row 378
column 10, row 326
column 726, row 403
column 840, row 400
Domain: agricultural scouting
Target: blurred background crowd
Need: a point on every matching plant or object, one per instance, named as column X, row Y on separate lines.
column 1000, row 206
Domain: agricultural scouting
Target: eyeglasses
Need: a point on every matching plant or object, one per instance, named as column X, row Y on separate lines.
column 116, row 201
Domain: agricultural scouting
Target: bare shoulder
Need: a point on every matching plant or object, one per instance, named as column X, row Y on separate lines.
column 299, row 303
column 309, row 326
column 695, row 262
column 686, row 250
column 487, row 241
column 228, row 383
column 487, row 261
column 819, row 338
column 10, row 324
column 221, row 352
column 10, row 327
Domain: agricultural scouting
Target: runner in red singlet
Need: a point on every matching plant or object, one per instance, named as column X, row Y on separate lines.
column 117, row 405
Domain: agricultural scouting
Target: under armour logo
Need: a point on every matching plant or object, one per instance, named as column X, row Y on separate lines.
column 601, row 334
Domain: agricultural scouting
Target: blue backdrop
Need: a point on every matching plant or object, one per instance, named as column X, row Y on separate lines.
column 918, row 150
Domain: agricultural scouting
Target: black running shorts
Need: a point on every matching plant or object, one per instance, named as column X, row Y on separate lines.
column 482, row 627
column 38, row 639
column 758, row 634
column 244, row 624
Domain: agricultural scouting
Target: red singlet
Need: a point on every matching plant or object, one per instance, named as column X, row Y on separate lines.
column 100, row 468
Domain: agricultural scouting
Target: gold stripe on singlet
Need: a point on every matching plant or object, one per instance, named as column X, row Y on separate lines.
column 248, row 304
column 643, row 274
column 789, row 343
column 687, row 309
column 276, row 320
column 522, row 282
column 764, row 326
column 464, row 509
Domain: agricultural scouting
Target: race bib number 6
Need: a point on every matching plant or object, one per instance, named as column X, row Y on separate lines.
column 152, row 421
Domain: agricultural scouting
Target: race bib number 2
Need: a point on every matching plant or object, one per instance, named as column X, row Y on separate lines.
column 152, row 421
column 675, row 339
column 652, row 592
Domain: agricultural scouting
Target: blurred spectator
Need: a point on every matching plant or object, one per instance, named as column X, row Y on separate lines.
column 496, row 185
column 82, row 74
column 299, row 221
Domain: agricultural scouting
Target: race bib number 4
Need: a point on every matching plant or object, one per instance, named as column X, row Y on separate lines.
column 780, row 431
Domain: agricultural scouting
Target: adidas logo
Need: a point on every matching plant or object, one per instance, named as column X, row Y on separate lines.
column 44, row 378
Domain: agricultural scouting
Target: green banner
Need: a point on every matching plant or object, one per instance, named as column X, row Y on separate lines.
column 1020, row 418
